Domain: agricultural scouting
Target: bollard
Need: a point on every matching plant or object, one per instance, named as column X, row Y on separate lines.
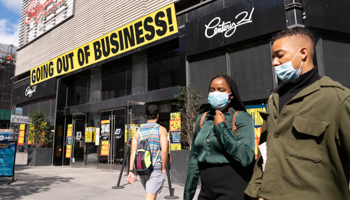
column 121, row 172
column 171, row 190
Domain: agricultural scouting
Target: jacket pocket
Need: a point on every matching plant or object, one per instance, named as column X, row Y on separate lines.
column 307, row 138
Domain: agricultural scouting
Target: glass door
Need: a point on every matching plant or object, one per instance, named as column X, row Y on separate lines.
column 111, row 151
column 119, row 133
column 78, row 143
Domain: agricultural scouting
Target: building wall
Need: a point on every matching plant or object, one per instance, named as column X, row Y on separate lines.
column 91, row 20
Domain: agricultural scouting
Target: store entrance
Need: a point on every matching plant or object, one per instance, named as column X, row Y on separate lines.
column 111, row 151
column 78, row 143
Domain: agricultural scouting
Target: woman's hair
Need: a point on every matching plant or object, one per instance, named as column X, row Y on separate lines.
column 152, row 111
column 236, row 101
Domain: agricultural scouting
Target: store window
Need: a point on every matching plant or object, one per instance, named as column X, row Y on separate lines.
column 116, row 78
column 251, row 68
column 337, row 61
column 78, row 88
column 203, row 68
column 46, row 105
column 163, row 66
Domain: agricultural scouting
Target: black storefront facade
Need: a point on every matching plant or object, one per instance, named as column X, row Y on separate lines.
column 214, row 37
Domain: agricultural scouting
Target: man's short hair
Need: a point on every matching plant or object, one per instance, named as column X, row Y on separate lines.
column 293, row 31
column 152, row 111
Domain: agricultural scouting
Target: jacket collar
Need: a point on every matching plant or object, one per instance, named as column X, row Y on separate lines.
column 323, row 82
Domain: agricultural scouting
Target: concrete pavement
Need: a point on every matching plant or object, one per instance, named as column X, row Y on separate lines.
column 60, row 182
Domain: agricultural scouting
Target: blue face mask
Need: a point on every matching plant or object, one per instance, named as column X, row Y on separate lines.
column 218, row 100
column 286, row 71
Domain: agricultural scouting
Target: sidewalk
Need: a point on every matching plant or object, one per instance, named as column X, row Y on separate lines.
column 51, row 183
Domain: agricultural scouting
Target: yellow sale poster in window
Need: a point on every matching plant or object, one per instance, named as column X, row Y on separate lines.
column 104, row 148
column 68, row 151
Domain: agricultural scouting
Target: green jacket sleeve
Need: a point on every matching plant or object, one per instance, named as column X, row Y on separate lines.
column 193, row 168
column 253, row 187
column 240, row 147
column 344, row 135
column 254, row 184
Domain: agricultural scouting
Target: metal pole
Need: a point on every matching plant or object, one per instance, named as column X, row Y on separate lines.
column 171, row 190
column 120, row 174
column 129, row 148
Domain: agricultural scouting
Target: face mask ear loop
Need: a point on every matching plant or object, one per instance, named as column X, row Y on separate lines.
column 296, row 55
column 301, row 64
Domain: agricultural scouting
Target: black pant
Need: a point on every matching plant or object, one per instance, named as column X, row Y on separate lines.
column 222, row 182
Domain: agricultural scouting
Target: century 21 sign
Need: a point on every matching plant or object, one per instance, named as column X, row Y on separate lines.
column 152, row 27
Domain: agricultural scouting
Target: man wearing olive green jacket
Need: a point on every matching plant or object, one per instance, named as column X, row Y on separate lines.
column 305, row 140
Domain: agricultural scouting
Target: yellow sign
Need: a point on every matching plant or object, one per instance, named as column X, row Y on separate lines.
column 155, row 26
column 175, row 125
column 22, row 129
column 68, row 151
column 254, row 112
column 105, row 121
column 133, row 127
column 88, row 134
column 104, row 148
column 69, row 130
column 174, row 147
column 175, row 116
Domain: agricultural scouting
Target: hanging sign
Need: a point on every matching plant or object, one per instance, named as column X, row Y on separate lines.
column 20, row 119
column 40, row 16
column 155, row 26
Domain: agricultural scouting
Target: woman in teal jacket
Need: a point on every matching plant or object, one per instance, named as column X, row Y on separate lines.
column 221, row 156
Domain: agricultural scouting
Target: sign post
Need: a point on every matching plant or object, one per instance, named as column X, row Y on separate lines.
column 8, row 144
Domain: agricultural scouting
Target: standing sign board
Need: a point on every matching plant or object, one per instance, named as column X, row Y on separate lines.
column 7, row 153
column 175, row 131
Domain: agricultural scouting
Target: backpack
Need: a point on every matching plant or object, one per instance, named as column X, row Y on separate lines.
column 143, row 156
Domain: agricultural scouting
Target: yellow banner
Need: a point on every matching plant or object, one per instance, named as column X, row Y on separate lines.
column 155, row 26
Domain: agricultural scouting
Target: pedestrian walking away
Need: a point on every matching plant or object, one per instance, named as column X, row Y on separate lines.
column 156, row 136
